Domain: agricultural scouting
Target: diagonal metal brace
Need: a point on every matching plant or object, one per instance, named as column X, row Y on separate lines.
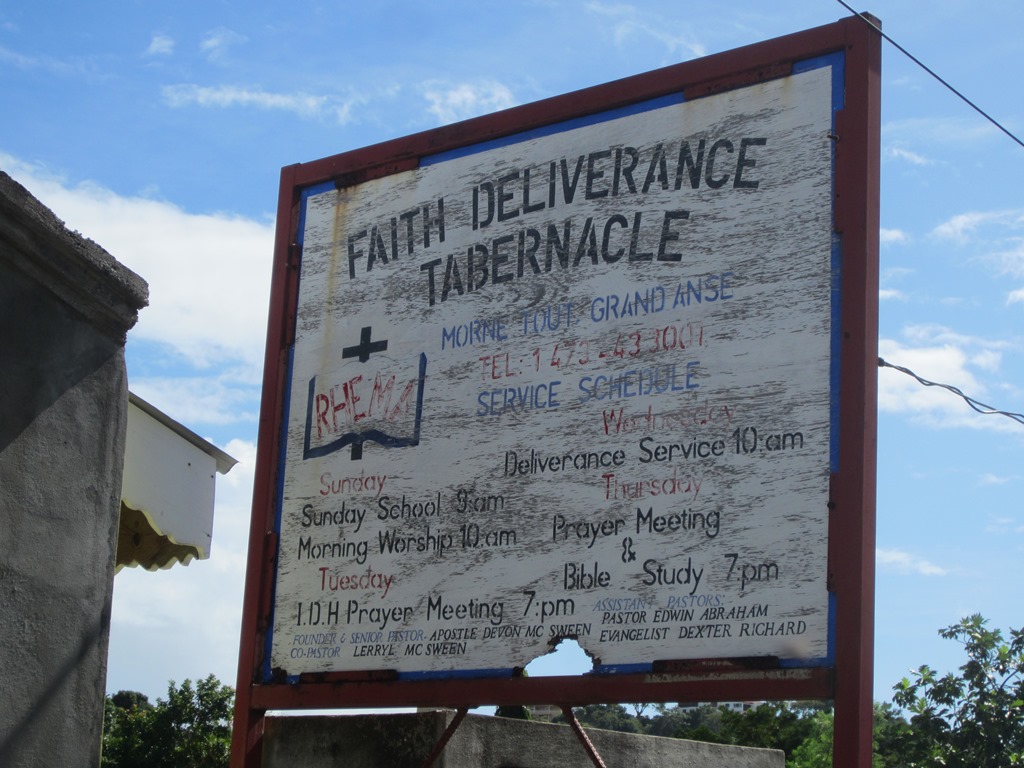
column 588, row 745
column 453, row 726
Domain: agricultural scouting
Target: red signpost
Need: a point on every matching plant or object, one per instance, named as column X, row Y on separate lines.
column 818, row 644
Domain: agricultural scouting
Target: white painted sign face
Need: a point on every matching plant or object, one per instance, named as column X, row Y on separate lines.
column 577, row 384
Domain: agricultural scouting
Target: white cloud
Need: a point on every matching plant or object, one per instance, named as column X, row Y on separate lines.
column 899, row 153
column 1005, row 525
column 942, row 356
column 994, row 238
column 48, row 64
column 896, row 273
column 904, row 562
column 964, row 226
column 225, row 96
column 160, row 45
column 988, row 359
column 893, row 236
column 208, row 274
column 19, row 60
column 960, row 131
column 1010, row 258
column 924, row 333
column 990, row 478
column 893, row 274
column 228, row 398
column 450, row 103
column 633, row 26
column 215, row 43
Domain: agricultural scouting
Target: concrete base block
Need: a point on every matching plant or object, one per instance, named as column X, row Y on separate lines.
column 405, row 740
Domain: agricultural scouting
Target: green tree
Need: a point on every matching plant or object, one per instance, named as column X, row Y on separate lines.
column 816, row 749
column 894, row 744
column 703, row 723
column 190, row 729
column 610, row 717
column 974, row 718
column 126, row 728
column 781, row 725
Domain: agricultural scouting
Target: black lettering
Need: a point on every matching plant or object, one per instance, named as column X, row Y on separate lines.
column 529, row 207
column 667, row 235
column 528, row 252
column 624, row 172
column 743, row 162
column 452, row 278
column 658, row 169
column 723, row 179
column 429, row 269
column 498, row 258
column 408, row 218
column 560, row 245
column 477, row 267
column 478, row 221
column 593, row 175
column 622, row 222
column 692, row 166
column 569, row 188
column 435, row 222
column 503, row 197
column 354, row 253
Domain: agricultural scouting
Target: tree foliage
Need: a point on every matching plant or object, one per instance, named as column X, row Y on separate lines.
column 774, row 725
column 609, row 717
column 190, row 729
column 974, row 718
column 694, row 723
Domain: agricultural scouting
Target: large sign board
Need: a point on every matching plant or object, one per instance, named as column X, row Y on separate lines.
column 575, row 385
column 576, row 377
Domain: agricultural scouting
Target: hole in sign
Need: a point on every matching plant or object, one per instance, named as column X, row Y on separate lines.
column 566, row 657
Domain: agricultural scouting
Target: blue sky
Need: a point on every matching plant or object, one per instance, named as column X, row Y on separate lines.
column 159, row 132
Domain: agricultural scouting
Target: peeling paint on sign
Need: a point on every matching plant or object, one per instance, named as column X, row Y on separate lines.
column 576, row 385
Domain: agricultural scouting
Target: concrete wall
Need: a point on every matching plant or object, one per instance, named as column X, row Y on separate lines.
column 65, row 306
column 405, row 740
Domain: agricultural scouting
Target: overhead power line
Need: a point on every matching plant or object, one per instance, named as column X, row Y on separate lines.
column 931, row 72
column 980, row 407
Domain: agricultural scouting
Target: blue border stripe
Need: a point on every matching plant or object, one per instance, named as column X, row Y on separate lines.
column 824, row 661
column 308, row 192
column 622, row 669
column 550, row 130
column 462, row 674
column 837, row 61
column 835, row 377
column 268, row 639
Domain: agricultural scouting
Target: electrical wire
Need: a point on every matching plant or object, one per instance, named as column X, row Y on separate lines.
column 980, row 407
column 927, row 69
column 977, row 405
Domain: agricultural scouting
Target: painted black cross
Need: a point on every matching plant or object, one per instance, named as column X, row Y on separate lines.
column 365, row 347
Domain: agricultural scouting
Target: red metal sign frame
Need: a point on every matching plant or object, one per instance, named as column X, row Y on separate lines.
column 852, row 488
